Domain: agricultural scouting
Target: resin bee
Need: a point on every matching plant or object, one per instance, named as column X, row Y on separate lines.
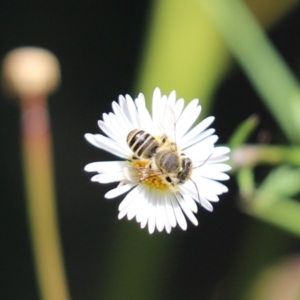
column 142, row 144
column 173, row 164
column 164, row 157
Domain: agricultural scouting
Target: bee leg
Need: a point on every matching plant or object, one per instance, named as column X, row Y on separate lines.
column 169, row 180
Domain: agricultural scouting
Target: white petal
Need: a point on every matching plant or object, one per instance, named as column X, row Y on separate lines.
column 158, row 109
column 132, row 208
column 104, row 166
column 187, row 118
column 126, row 109
column 160, row 215
column 194, row 193
column 206, row 204
column 169, row 210
column 219, row 159
column 171, row 99
column 152, row 216
column 206, row 144
column 144, row 214
column 186, row 125
column 106, row 144
column 189, row 141
column 178, row 214
column 120, row 126
column 156, row 105
column 187, row 197
column 145, row 118
column 186, row 209
column 199, row 158
column 214, row 175
column 129, row 197
column 196, row 132
column 118, row 119
column 145, row 217
column 211, row 197
column 131, row 112
column 178, row 108
column 142, row 209
column 119, row 112
column 117, row 133
column 190, row 191
column 125, row 205
column 210, row 186
column 216, row 167
column 108, row 177
column 168, row 225
column 219, row 151
column 213, row 171
column 119, row 190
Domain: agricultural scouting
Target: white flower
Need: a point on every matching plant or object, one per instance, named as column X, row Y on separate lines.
column 156, row 197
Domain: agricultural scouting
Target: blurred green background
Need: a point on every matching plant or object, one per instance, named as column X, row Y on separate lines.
column 241, row 58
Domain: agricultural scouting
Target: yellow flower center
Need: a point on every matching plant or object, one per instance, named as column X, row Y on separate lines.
column 153, row 178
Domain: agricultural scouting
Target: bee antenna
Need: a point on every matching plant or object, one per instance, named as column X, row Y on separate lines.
column 204, row 161
column 197, row 190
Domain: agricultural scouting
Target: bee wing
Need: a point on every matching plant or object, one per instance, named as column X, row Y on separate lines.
column 168, row 123
column 135, row 174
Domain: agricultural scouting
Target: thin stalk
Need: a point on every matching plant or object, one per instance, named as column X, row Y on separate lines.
column 261, row 62
column 43, row 219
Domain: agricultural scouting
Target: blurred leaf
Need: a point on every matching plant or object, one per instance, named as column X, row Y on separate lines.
column 272, row 203
column 261, row 62
column 284, row 214
column 280, row 183
column 245, row 179
column 243, row 132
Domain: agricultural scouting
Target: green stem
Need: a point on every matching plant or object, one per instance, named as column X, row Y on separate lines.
column 284, row 214
column 246, row 183
column 261, row 62
column 243, row 131
column 251, row 156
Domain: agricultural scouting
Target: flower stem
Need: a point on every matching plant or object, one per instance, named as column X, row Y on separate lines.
column 263, row 65
column 251, row 155
column 43, row 219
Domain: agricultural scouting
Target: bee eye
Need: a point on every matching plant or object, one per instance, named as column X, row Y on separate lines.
column 168, row 179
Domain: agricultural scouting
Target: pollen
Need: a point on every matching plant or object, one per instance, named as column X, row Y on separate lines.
column 157, row 182
column 149, row 176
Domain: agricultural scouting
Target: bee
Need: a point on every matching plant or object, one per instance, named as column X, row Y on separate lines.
column 172, row 163
column 162, row 153
column 142, row 144
column 185, row 170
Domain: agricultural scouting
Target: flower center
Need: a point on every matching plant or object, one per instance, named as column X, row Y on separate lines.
column 145, row 174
